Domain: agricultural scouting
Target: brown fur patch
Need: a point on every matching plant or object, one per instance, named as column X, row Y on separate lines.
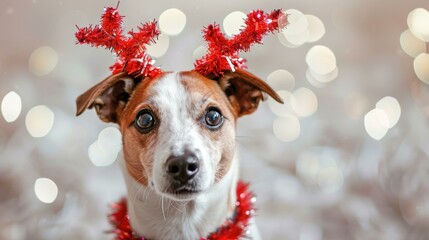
column 138, row 148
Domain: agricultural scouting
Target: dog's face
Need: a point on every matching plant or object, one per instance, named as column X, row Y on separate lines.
column 181, row 130
column 178, row 129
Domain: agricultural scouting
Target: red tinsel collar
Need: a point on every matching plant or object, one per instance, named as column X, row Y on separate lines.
column 234, row 228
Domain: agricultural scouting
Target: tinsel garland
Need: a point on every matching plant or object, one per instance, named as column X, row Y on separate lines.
column 131, row 51
column 234, row 228
column 223, row 53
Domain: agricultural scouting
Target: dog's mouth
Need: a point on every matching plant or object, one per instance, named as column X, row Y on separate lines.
column 186, row 191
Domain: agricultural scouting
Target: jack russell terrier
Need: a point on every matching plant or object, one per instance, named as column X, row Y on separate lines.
column 180, row 161
column 179, row 152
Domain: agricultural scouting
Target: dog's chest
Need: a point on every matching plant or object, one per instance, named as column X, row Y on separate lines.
column 155, row 217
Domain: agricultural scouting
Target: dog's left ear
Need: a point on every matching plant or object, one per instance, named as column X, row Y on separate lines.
column 108, row 97
column 245, row 90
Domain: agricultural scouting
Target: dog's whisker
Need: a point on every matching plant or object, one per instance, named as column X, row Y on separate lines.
column 178, row 207
column 139, row 188
column 134, row 198
column 169, row 203
column 148, row 192
column 145, row 195
column 162, row 207
column 244, row 137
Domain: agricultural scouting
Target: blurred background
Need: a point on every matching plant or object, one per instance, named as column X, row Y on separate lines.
column 345, row 158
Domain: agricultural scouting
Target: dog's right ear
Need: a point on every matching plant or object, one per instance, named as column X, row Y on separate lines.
column 109, row 97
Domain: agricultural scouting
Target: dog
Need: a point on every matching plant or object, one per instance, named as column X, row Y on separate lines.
column 179, row 156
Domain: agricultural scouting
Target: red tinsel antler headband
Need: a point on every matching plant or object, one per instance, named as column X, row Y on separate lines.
column 222, row 53
column 131, row 52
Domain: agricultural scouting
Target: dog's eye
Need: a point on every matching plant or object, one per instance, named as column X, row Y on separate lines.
column 213, row 118
column 145, row 121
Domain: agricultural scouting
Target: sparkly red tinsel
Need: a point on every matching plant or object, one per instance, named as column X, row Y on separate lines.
column 223, row 53
column 131, row 51
column 232, row 229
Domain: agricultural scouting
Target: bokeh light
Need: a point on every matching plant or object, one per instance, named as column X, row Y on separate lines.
column 304, row 102
column 278, row 108
column 233, row 22
column 312, row 80
column 299, row 38
column 298, row 23
column 421, row 63
column 99, row 157
column 316, row 28
column 383, row 117
column 42, row 61
column 39, row 121
column 376, row 123
column 287, row 128
column 296, row 33
column 285, row 42
column 307, row 166
column 330, row 179
column 11, row 106
column 104, row 151
column 199, row 52
column 412, row 45
column 321, row 60
column 281, row 80
column 172, row 21
column 417, row 21
column 110, row 140
column 159, row 48
column 324, row 78
column 46, row 190
column 391, row 108
column 301, row 29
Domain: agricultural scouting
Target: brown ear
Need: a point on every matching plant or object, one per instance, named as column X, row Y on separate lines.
column 244, row 90
column 109, row 97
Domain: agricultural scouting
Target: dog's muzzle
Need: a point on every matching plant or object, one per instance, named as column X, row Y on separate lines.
column 182, row 169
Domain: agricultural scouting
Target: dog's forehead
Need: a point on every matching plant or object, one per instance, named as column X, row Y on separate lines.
column 176, row 88
column 181, row 89
column 169, row 90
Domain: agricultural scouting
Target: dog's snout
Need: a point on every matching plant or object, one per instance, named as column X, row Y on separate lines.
column 183, row 168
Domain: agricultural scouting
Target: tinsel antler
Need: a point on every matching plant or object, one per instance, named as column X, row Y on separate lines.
column 223, row 53
column 131, row 51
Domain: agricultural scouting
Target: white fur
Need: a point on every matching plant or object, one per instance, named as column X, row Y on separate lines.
column 178, row 132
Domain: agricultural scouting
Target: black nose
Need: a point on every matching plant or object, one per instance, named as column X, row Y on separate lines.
column 183, row 168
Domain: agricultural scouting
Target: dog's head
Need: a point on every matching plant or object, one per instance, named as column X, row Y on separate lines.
column 179, row 128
